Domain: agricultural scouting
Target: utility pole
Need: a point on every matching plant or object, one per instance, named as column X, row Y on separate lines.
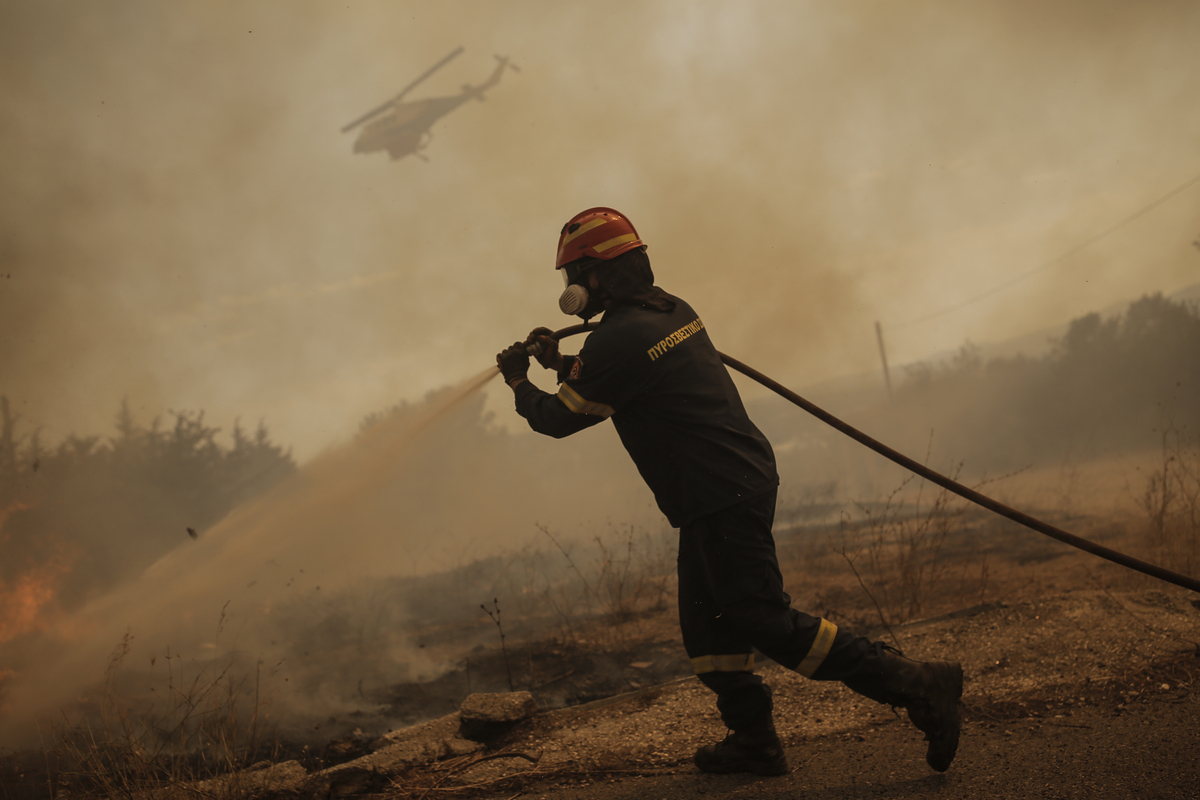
column 887, row 377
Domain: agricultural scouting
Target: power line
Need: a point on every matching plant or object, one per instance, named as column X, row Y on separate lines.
column 1053, row 261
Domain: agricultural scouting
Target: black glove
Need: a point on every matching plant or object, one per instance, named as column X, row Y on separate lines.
column 513, row 362
column 547, row 355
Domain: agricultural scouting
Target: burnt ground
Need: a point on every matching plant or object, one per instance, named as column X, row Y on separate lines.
column 1081, row 682
column 558, row 673
column 1087, row 693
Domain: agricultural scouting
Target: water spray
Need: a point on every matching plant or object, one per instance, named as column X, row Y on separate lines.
column 933, row 476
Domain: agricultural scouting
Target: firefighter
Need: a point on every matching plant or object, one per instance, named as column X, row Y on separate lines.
column 650, row 366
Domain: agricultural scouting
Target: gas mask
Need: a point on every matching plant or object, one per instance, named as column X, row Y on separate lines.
column 576, row 299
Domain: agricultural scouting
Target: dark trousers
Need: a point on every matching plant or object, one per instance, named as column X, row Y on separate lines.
column 731, row 601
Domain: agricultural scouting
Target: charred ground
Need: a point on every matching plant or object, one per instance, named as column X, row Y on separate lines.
column 1078, row 673
column 1063, row 653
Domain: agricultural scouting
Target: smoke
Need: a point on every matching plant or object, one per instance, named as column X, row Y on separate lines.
column 182, row 224
column 426, row 489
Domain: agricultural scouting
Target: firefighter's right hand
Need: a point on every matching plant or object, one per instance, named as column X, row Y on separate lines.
column 548, row 356
column 513, row 362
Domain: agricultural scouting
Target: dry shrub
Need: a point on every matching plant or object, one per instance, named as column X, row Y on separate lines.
column 205, row 723
column 1171, row 502
column 894, row 550
column 631, row 574
column 612, row 580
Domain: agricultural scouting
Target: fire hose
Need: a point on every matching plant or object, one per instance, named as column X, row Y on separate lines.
column 933, row 476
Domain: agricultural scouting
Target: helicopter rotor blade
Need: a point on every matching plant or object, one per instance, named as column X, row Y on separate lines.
column 385, row 106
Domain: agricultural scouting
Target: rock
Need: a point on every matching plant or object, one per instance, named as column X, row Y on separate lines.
column 393, row 753
column 427, row 732
column 459, row 746
column 339, row 751
column 498, row 707
column 485, row 716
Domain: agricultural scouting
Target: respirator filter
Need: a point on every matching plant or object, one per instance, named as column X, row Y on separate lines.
column 573, row 300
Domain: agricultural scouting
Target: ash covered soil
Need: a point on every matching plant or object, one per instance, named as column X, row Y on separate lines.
column 1084, row 693
column 1081, row 694
column 1081, row 682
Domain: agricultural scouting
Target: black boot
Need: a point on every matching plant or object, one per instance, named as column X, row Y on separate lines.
column 930, row 693
column 754, row 749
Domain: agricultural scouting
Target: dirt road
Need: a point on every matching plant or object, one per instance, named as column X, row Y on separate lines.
column 1087, row 694
column 1149, row 750
column 1081, row 694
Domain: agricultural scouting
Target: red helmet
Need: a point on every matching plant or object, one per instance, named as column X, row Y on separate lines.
column 599, row 233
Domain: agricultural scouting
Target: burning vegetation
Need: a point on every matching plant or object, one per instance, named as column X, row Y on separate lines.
column 88, row 515
column 80, row 517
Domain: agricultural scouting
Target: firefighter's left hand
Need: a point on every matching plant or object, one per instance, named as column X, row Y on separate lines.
column 513, row 362
column 548, row 356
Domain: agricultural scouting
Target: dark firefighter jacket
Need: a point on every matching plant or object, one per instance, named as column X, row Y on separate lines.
column 674, row 406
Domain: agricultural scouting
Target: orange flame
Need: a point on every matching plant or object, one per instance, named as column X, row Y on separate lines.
column 24, row 600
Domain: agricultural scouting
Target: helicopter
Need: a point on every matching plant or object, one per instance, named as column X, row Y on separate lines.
column 406, row 128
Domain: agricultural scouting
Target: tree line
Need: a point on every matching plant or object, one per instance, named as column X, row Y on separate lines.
column 104, row 508
column 1108, row 385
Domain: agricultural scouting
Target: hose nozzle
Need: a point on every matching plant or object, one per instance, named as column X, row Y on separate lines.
column 534, row 349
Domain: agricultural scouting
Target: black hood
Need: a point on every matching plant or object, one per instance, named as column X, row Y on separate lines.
column 629, row 280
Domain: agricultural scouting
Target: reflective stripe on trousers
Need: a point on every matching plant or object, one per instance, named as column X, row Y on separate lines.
column 731, row 602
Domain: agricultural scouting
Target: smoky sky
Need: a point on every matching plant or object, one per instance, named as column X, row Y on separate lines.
column 182, row 224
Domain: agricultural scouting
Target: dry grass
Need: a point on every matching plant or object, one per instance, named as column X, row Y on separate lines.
column 914, row 553
column 204, row 722
column 1171, row 502
column 607, row 581
column 894, row 551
